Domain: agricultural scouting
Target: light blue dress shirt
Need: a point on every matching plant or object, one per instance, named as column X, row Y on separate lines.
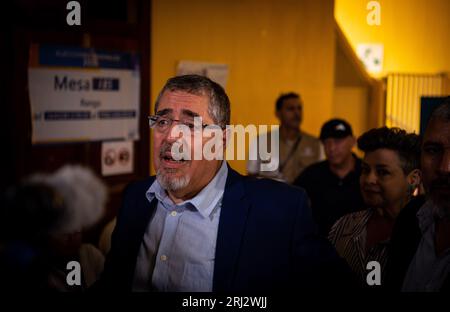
column 178, row 249
column 427, row 271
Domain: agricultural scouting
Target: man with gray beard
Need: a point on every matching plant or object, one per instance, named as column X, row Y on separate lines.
column 201, row 226
column 419, row 256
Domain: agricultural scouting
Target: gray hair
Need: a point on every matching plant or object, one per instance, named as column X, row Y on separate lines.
column 442, row 112
column 219, row 104
column 83, row 193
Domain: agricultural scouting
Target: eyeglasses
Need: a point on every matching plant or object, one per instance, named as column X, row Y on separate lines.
column 162, row 124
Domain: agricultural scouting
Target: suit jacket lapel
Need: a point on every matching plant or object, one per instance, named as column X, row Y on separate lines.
column 231, row 229
column 136, row 230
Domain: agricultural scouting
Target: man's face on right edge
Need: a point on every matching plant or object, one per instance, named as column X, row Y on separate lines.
column 435, row 162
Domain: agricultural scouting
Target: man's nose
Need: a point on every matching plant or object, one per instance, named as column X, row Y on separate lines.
column 444, row 166
column 174, row 132
column 331, row 146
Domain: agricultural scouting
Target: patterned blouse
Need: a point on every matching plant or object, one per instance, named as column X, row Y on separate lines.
column 348, row 235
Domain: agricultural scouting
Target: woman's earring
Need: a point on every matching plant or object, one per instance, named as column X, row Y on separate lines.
column 411, row 189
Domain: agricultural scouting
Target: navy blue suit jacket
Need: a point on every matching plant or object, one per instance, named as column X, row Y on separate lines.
column 266, row 240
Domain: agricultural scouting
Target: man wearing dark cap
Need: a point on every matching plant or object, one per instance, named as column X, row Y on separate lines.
column 333, row 184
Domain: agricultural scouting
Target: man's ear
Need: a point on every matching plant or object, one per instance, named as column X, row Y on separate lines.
column 414, row 177
column 226, row 137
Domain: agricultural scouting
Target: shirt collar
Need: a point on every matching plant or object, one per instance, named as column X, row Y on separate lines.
column 205, row 201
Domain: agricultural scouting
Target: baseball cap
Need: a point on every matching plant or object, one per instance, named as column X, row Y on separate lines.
column 335, row 128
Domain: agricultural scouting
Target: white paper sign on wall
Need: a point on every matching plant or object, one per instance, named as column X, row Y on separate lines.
column 371, row 54
column 117, row 157
column 214, row 71
column 79, row 94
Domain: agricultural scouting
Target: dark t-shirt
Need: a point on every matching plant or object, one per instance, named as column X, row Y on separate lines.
column 331, row 197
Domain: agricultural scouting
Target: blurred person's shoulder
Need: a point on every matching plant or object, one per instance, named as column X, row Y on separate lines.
column 309, row 138
column 312, row 147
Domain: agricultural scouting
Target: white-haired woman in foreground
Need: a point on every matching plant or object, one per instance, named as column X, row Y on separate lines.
column 44, row 221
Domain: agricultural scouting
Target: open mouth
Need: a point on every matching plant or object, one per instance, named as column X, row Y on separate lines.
column 168, row 158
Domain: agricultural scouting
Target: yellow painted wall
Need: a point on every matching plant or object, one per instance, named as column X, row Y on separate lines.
column 270, row 47
column 351, row 92
column 415, row 33
column 350, row 103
